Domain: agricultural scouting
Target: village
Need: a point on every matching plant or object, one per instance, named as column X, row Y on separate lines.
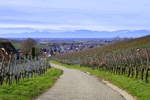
column 49, row 48
column 66, row 46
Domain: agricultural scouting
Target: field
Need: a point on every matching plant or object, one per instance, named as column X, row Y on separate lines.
column 19, row 68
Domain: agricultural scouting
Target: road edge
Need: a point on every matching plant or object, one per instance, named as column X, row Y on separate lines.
column 122, row 92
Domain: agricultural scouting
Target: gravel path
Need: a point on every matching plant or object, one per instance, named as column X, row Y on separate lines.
column 77, row 85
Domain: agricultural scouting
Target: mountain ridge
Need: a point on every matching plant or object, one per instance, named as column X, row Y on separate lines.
column 79, row 34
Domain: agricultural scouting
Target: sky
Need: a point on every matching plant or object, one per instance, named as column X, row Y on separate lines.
column 19, row 16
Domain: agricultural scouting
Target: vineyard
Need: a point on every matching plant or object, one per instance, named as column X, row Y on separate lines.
column 130, row 58
column 18, row 68
column 133, row 63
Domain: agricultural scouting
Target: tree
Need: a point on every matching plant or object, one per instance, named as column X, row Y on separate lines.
column 28, row 45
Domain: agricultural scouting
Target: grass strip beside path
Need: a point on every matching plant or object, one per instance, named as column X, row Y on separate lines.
column 135, row 87
column 29, row 88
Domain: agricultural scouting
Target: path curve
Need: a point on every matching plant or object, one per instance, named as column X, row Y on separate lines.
column 77, row 85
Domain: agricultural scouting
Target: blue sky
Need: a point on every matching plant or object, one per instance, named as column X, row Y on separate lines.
column 19, row 16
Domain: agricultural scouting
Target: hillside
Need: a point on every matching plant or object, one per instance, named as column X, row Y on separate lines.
column 115, row 47
column 15, row 43
column 3, row 40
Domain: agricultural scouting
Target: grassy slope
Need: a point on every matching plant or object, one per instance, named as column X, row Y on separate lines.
column 16, row 44
column 29, row 88
column 135, row 87
column 119, row 46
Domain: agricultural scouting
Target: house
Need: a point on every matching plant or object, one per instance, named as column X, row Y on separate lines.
column 7, row 49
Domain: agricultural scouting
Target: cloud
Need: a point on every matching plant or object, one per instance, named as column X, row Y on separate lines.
column 21, row 28
column 62, row 15
column 50, row 27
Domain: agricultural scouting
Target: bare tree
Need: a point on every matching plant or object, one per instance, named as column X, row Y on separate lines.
column 28, row 45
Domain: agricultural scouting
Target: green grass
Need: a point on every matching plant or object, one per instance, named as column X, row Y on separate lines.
column 137, row 88
column 30, row 88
